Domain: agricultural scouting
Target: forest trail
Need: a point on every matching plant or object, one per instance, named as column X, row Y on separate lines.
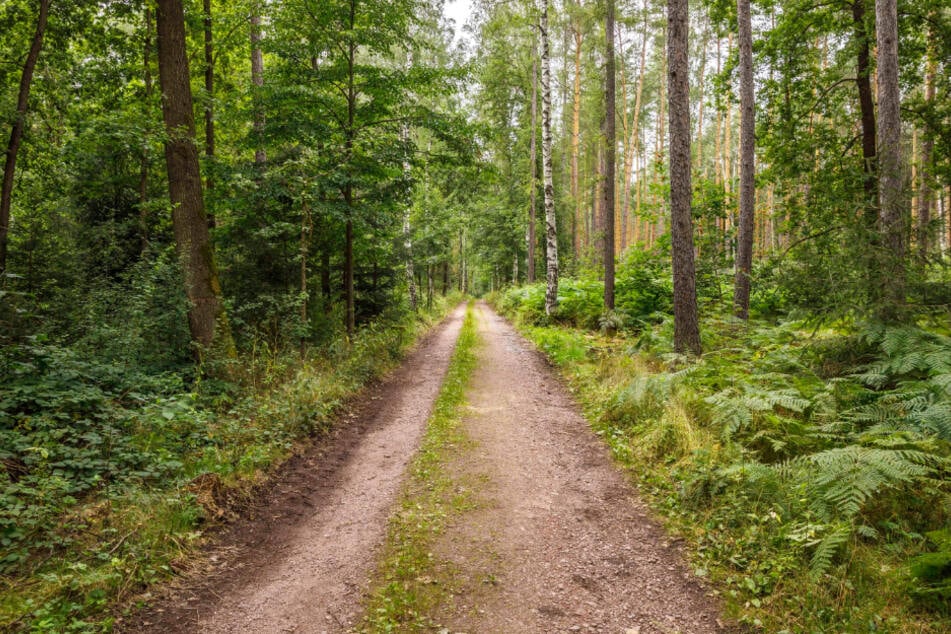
column 558, row 541
column 302, row 563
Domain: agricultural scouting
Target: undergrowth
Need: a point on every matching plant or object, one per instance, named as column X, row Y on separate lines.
column 808, row 469
column 409, row 583
column 108, row 476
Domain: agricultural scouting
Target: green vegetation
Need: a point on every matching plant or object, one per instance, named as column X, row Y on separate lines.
column 808, row 469
column 115, row 473
column 411, row 580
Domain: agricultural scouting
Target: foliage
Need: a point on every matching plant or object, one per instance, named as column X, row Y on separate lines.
column 804, row 470
column 106, row 469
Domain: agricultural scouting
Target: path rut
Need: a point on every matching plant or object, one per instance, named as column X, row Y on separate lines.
column 559, row 541
column 303, row 563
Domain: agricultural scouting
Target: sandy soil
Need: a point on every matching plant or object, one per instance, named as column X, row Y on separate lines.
column 556, row 542
column 301, row 563
column 559, row 541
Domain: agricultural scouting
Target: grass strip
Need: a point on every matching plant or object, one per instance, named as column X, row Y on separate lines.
column 411, row 581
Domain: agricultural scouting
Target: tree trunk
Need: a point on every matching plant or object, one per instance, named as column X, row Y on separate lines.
column 257, row 82
column 925, row 194
column 348, row 287
column 16, row 134
column 744, row 250
column 686, row 326
column 209, row 101
column 576, row 141
column 634, row 142
column 610, row 149
column 306, row 230
column 551, row 251
column 206, row 316
column 144, row 161
column 889, row 160
column 867, row 109
column 531, row 239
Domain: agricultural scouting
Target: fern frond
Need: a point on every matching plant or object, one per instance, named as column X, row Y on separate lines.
column 826, row 550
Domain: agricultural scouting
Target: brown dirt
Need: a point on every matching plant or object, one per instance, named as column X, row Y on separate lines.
column 559, row 541
column 302, row 560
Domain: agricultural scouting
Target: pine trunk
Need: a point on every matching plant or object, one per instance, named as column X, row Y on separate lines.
column 686, row 325
column 889, row 161
column 744, row 250
column 530, row 234
column 257, row 83
column 610, row 149
column 551, row 251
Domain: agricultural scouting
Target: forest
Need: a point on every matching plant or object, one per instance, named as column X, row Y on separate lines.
column 726, row 224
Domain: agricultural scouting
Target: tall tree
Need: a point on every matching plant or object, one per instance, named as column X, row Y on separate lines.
column 257, row 83
column 610, row 149
column 925, row 193
column 686, row 324
column 533, row 159
column 744, row 248
column 889, row 159
column 206, row 316
column 551, row 230
column 16, row 134
column 863, row 82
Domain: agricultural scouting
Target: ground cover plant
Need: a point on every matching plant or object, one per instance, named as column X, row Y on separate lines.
column 114, row 475
column 808, row 468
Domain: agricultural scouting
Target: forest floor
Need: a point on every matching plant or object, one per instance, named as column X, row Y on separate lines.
column 555, row 541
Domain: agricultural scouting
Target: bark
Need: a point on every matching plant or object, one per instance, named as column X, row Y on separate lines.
column 551, row 251
column 576, row 140
column 867, row 110
column 686, row 326
column 257, row 82
column 306, row 230
column 350, row 133
column 744, row 250
column 209, row 101
column 889, row 160
column 925, row 194
column 610, row 149
column 16, row 134
column 634, row 142
column 531, row 239
column 206, row 316
column 144, row 163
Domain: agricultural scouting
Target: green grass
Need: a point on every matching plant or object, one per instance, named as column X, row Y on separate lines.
column 803, row 469
column 77, row 561
column 411, row 581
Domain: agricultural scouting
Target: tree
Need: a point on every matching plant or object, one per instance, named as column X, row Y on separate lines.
column 890, row 201
column 207, row 320
column 257, row 83
column 551, row 230
column 610, row 148
column 533, row 159
column 744, row 247
column 16, row 134
column 686, row 324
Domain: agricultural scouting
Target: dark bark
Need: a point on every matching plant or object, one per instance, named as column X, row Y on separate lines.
column 551, row 233
column 744, row 247
column 686, row 325
column 891, row 203
column 206, row 317
column 16, row 134
column 610, row 149
column 867, row 109
column 348, row 289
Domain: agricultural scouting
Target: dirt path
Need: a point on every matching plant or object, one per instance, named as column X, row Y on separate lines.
column 302, row 564
column 559, row 542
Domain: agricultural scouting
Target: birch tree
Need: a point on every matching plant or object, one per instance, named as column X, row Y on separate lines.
column 551, row 230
